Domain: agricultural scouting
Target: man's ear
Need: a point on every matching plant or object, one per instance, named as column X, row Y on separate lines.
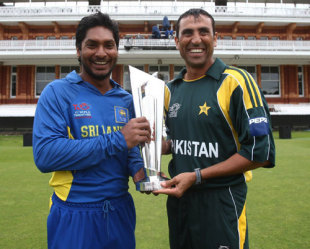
column 215, row 39
column 176, row 40
column 78, row 52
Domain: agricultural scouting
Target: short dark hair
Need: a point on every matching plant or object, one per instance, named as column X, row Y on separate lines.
column 94, row 20
column 195, row 13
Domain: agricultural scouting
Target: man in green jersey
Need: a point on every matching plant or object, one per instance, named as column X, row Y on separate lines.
column 219, row 129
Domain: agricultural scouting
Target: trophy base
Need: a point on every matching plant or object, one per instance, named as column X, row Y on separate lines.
column 152, row 183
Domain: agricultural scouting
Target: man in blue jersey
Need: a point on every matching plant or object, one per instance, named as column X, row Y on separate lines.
column 86, row 134
column 219, row 129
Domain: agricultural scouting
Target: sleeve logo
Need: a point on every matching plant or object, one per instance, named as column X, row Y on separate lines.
column 259, row 126
column 121, row 114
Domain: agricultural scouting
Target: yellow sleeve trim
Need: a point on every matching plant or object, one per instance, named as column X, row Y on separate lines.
column 61, row 181
column 223, row 97
column 69, row 133
column 167, row 98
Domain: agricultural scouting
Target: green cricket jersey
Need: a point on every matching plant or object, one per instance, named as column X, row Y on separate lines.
column 211, row 118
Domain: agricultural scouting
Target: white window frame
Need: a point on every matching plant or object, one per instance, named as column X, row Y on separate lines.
column 166, row 73
column 47, row 81
column 279, row 83
column 246, row 68
column 71, row 68
column 176, row 72
column 302, row 83
column 11, row 82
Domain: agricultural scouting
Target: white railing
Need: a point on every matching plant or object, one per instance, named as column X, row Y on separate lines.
column 20, row 46
column 139, row 9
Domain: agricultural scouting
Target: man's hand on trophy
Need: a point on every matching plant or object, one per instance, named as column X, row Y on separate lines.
column 137, row 131
column 177, row 185
column 161, row 174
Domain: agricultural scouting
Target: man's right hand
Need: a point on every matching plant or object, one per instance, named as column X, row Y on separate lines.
column 136, row 131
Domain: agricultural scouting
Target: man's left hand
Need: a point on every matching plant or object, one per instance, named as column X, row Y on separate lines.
column 177, row 185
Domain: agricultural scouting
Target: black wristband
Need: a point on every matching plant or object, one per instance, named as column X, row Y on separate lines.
column 198, row 176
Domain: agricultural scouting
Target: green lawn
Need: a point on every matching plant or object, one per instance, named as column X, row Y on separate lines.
column 278, row 200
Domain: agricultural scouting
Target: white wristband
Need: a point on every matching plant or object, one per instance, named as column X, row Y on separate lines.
column 198, row 176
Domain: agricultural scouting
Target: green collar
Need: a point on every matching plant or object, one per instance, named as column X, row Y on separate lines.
column 215, row 71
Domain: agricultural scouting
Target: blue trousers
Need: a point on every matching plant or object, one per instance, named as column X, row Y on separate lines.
column 106, row 225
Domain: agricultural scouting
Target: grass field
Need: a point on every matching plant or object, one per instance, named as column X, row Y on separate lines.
column 278, row 203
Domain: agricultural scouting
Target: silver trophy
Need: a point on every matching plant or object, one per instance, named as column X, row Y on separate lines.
column 148, row 98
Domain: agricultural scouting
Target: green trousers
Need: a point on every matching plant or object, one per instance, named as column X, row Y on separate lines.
column 210, row 218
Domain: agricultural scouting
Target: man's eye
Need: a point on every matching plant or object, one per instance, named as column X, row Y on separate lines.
column 187, row 33
column 204, row 32
column 90, row 45
column 110, row 45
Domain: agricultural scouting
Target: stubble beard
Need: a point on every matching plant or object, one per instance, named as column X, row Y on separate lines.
column 198, row 65
column 94, row 75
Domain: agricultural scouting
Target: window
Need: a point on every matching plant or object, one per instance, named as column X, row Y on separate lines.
column 251, row 38
column 263, row 38
column 270, row 80
column 44, row 75
column 126, row 77
column 64, row 70
column 13, row 82
column 240, row 38
column 177, row 70
column 163, row 72
column 300, row 82
column 251, row 70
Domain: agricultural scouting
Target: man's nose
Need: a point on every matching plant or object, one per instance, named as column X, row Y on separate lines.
column 196, row 38
column 101, row 51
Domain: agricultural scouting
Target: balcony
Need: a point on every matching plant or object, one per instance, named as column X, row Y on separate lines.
column 154, row 12
column 234, row 51
column 43, row 46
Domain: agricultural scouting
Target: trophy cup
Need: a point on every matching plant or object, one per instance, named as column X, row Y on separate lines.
column 148, row 98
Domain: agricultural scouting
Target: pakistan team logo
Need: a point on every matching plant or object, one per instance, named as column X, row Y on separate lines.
column 173, row 110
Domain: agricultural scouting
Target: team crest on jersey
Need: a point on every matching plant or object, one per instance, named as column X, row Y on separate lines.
column 173, row 110
column 121, row 114
column 82, row 110
column 204, row 109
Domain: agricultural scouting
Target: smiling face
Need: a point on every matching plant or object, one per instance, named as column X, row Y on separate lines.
column 196, row 42
column 98, row 55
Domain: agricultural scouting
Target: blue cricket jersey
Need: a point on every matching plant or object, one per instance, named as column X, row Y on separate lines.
column 76, row 135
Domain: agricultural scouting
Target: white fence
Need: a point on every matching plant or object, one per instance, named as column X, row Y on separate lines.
column 20, row 46
column 175, row 9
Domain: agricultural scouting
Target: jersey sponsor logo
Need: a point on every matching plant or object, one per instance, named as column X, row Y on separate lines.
column 195, row 148
column 259, row 126
column 204, row 109
column 121, row 114
column 173, row 110
column 81, row 110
